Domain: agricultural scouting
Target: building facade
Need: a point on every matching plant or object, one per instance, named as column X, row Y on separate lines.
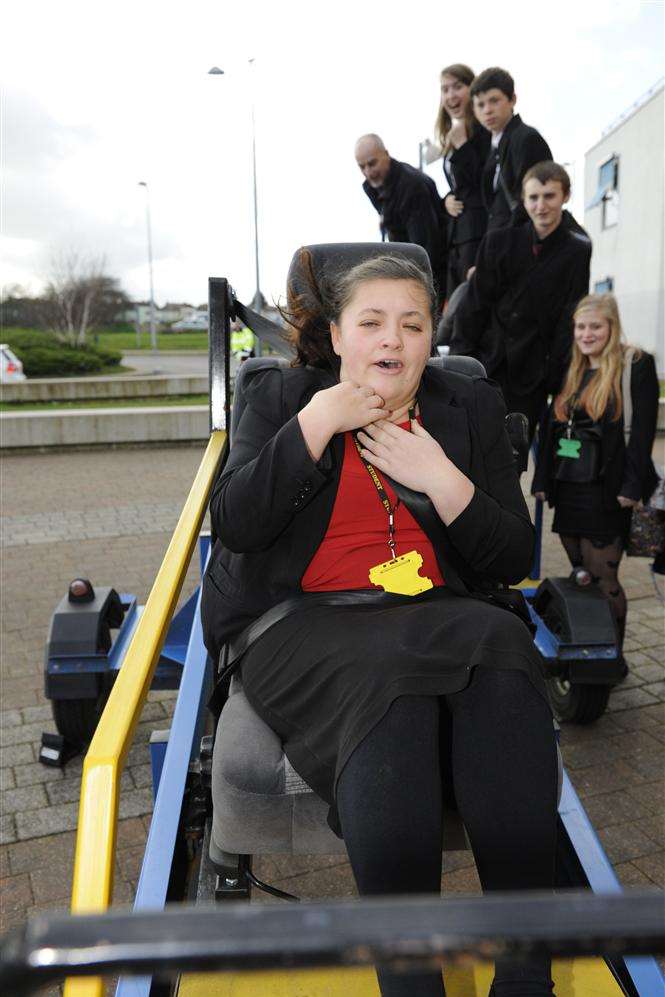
column 623, row 194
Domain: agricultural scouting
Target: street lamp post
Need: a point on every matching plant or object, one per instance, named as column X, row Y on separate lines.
column 258, row 297
column 153, row 328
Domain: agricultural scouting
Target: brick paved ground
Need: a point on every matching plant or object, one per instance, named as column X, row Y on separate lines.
column 108, row 516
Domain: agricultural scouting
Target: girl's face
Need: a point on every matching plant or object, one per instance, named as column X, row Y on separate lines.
column 384, row 338
column 592, row 333
column 454, row 96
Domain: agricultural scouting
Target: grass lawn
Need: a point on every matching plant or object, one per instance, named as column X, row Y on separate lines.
column 104, row 403
column 165, row 340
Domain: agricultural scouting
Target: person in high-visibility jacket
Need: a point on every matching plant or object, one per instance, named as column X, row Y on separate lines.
column 242, row 341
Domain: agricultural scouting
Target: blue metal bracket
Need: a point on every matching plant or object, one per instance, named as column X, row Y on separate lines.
column 184, row 738
column 644, row 972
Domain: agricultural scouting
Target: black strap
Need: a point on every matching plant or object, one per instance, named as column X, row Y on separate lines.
column 512, row 203
column 237, row 646
column 267, row 331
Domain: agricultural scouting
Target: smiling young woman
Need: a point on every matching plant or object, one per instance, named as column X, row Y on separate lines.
column 592, row 467
column 465, row 146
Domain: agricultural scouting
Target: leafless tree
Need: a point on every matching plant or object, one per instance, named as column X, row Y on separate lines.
column 80, row 296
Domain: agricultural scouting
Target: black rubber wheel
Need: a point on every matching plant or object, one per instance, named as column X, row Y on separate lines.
column 77, row 719
column 578, row 704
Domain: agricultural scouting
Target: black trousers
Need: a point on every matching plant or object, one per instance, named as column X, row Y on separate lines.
column 496, row 739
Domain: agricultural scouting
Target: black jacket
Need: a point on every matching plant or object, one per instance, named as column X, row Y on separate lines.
column 411, row 211
column 520, row 148
column 271, row 506
column 463, row 171
column 625, row 469
column 519, row 305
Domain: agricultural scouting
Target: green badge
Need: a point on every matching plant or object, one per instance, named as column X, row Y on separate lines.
column 569, row 448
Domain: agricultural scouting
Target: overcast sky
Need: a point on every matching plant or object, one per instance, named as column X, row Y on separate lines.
column 98, row 96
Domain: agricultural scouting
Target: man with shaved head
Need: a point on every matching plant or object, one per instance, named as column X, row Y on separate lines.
column 408, row 203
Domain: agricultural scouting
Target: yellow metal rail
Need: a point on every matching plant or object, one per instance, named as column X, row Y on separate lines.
column 100, row 784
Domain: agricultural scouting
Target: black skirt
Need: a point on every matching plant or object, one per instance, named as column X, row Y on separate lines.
column 324, row 676
column 579, row 512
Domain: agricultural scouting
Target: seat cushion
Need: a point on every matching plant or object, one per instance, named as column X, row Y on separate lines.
column 260, row 804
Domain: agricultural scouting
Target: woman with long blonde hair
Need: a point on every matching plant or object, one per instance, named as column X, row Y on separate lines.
column 465, row 146
column 592, row 467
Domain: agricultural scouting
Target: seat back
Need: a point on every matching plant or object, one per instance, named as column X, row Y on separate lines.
column 326, row 262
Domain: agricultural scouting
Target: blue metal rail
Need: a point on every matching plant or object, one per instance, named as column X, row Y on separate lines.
column 182, row 747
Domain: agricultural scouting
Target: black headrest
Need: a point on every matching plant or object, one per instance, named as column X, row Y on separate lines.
column 331, row 259
column 461, row 365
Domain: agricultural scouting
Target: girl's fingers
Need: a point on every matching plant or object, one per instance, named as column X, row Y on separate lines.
column 374, row 459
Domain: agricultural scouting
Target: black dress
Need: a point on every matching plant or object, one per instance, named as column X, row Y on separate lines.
column 579, row 510
column 323, row 677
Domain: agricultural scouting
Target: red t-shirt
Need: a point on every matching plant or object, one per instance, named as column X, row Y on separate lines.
column 357, row 534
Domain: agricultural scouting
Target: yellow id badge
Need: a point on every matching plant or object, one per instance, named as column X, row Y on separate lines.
column 400, row 576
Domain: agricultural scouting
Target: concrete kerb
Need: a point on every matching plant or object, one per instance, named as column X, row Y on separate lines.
column 120, row 386
column 91, row 427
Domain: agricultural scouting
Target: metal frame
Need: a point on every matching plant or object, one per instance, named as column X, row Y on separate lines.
column 181, row 750
column 417, row 932
column 584, row 849
column 220, row 312
column 104, row 762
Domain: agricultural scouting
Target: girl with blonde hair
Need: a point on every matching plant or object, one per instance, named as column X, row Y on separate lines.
column 465, row 146
column 592, row 467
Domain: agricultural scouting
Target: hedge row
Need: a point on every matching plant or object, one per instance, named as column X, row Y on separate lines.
column 43, row 356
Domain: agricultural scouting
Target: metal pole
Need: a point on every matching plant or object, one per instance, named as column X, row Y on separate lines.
column 153, row 328
column 257, row 296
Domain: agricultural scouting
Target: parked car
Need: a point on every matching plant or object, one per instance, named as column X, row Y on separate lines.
column 191, row 323
column 11, row 368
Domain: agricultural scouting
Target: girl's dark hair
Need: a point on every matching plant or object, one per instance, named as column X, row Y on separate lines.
column 312, row 308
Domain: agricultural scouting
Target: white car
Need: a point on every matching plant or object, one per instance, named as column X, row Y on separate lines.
column 11, row 368
column 191, row 323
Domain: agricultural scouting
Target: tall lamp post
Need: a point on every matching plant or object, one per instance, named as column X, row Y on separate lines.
column 153, row 328
column 257, row 303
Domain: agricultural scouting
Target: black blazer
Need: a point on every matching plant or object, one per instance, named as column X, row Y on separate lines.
column 520, row 148
column 519, row 305
column 411, row 211
column 463, row 171
column 625, row 469
column 271, row 506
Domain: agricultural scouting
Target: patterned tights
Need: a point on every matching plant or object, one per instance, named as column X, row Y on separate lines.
column 601, row 559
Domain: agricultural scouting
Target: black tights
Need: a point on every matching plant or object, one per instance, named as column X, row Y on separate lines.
column 504, row 770
column 601, row 559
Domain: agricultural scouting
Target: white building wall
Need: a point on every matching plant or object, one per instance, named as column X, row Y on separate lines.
column 632, row 251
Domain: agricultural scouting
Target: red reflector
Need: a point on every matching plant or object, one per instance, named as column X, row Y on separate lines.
column 11, row 367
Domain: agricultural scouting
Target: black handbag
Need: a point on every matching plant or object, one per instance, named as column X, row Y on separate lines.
column 646, row 534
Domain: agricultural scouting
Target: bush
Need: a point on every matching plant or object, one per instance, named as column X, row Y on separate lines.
column 118, row 327
column 43, row 356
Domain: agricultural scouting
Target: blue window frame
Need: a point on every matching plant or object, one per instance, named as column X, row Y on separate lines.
column 604, row 286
